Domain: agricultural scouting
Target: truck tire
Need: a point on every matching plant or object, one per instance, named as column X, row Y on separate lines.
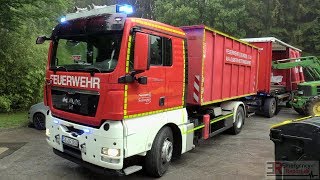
column 313, row 107
column 270, row 107
column 277, row 110
column 299, row 111
column 239, row 121
column 39, row 121
column 158, row 158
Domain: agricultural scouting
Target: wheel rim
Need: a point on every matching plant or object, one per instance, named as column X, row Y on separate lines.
column 39, row 121
column 166, row 151
column 239, row 120
column 316, row 109
column 273, row 107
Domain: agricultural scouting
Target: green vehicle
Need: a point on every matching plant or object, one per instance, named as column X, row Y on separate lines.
column 306, row 99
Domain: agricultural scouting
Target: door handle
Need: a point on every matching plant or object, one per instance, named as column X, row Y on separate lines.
column 161, row 101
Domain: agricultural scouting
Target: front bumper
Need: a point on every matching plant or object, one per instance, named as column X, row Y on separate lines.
column 91, row 141
column 92, row 167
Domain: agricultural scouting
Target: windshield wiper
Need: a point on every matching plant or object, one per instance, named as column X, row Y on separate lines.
column 92, row 70
column 58, row 68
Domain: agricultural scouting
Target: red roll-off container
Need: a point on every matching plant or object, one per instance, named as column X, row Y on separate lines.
column 273, row 49
column 220, row 67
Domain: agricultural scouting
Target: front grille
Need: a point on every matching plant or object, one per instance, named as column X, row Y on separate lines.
column 307, row 90
column 318, row 89
column 78, row 102
column 72, row 151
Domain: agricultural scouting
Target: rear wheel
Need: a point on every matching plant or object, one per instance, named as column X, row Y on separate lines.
column 270, row 107
column 238, row 122
column 299, row 111
column 39, row 121
column 158, row 158
column 278, row 109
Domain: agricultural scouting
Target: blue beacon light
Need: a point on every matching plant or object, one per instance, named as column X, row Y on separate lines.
column 63, row 19
column 127, row 9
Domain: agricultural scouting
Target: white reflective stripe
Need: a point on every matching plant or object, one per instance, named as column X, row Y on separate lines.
column 195, row 96
column 196, row 86
column 198, row 77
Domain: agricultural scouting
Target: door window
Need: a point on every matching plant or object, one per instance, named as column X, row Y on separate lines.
column 160, row 51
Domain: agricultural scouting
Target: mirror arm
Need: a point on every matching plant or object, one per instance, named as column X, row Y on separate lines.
column 135, row 29
column 134, row 73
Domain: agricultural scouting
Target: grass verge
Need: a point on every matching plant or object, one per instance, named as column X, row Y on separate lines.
column 13, row 120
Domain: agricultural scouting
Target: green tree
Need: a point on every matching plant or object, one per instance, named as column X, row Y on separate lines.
column 227, row 16
column 22, row 63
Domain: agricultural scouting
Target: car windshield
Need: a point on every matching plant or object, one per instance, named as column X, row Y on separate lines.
column 86, row 53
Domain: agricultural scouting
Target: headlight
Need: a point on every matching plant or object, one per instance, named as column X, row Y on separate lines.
column 110, row 152
column 48, row 132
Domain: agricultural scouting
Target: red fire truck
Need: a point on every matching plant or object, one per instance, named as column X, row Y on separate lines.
column 121, row 88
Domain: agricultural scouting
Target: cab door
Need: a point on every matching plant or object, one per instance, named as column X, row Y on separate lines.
column 145, row 99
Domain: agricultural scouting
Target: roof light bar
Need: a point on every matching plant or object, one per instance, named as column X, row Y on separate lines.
column 127, row 9
column 98, row 10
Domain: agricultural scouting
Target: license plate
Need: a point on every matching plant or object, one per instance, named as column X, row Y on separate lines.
column 70, row 141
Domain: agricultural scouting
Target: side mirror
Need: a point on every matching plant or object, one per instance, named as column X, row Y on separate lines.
column 128, row 78
column 41, row 39
column 141, row 52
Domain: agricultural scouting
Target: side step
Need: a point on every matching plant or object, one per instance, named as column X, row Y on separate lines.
column 132, row 169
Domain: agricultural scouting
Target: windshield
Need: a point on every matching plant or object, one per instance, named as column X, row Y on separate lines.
column 86, row 53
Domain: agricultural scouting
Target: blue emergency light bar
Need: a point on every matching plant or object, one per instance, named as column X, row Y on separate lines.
column 97, row 10
column 126, row 9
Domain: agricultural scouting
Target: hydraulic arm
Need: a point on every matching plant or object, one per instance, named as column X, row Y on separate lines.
column 310, row 65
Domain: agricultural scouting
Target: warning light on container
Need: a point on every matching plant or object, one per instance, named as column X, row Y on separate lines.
column 127, row 9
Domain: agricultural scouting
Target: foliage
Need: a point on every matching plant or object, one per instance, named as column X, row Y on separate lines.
column 22, row 62
column 4, row 104
column 227, row 16
column 295, row 22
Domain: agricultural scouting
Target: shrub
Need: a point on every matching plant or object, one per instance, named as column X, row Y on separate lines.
column 5, row 104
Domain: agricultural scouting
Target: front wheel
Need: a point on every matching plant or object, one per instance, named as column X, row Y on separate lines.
column 39, row 121
column 158, row 158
